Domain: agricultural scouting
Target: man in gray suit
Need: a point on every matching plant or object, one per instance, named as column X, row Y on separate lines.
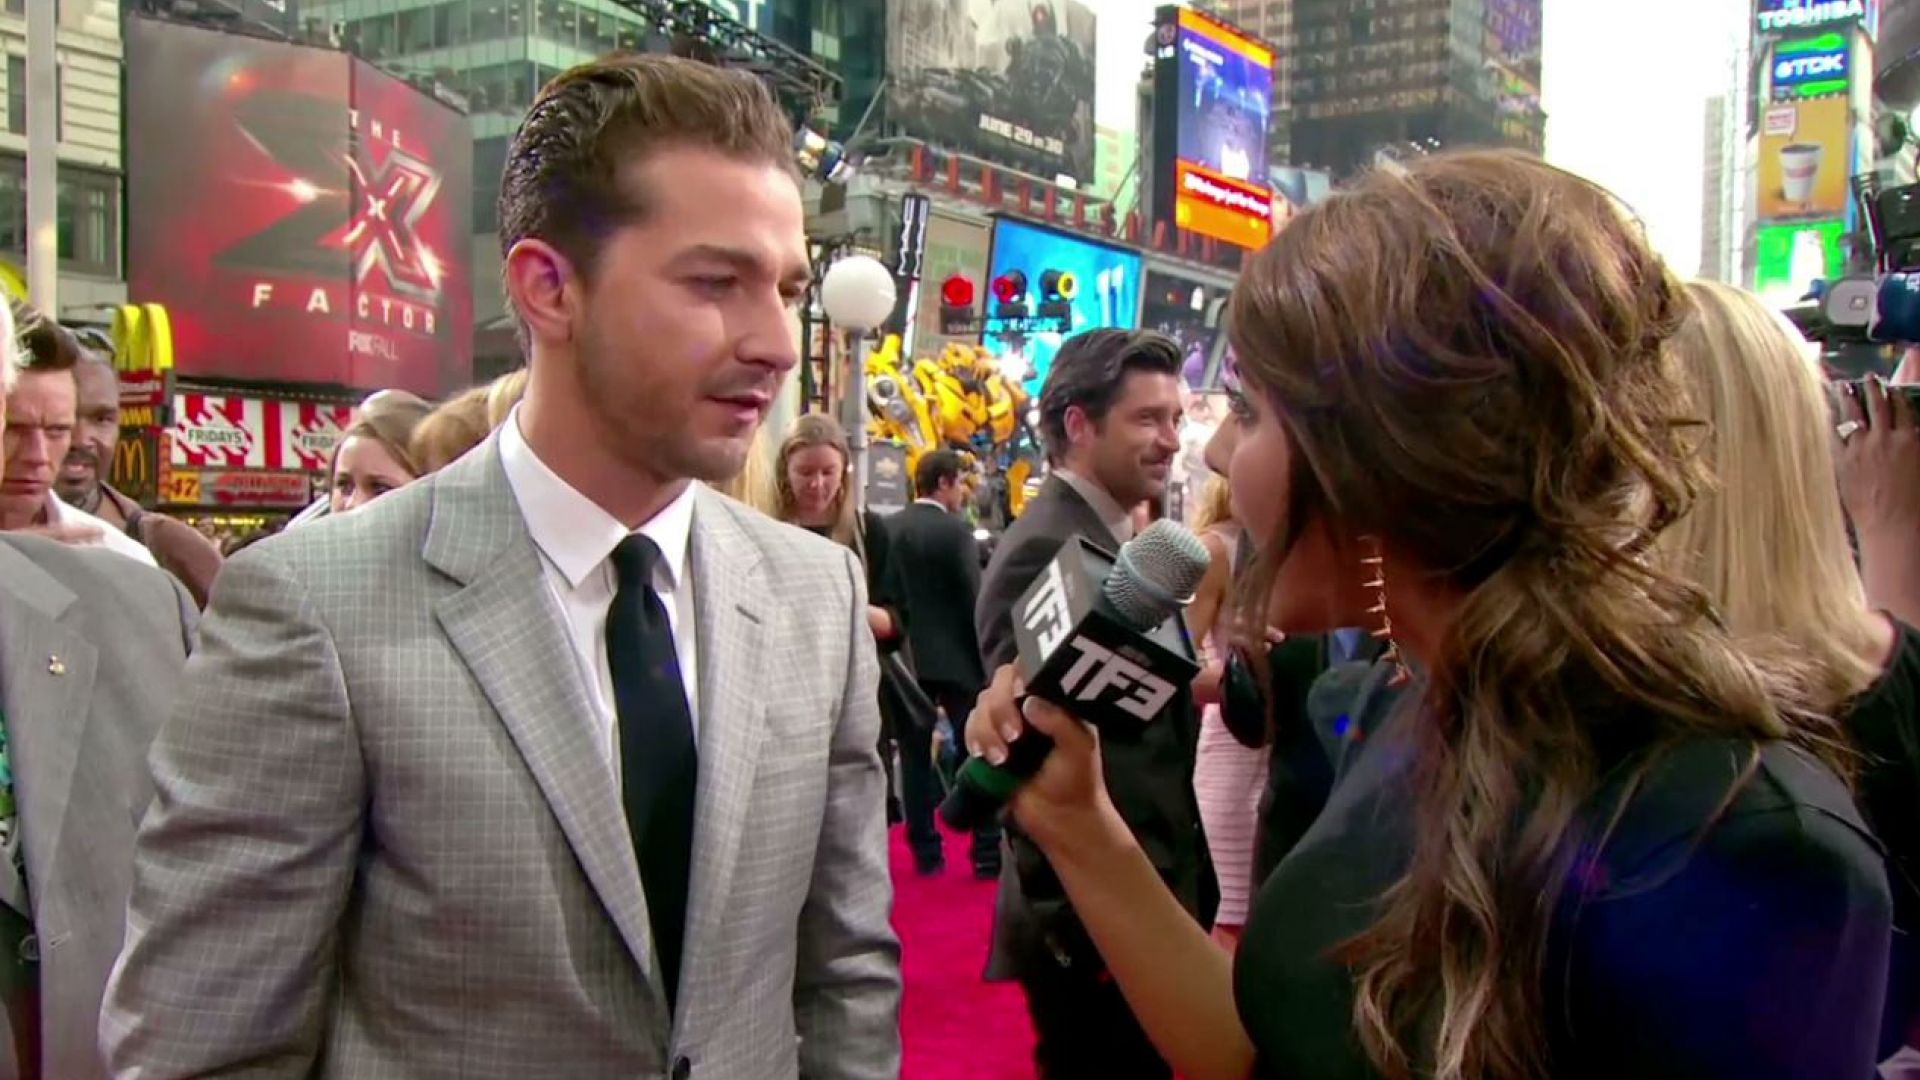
column 91, row 646
column 556, row 764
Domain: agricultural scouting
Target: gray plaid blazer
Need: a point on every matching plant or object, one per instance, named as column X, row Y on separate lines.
column 91, row 648
column 383, row 845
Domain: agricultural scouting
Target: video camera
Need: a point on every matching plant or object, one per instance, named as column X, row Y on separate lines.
column 1883, row 305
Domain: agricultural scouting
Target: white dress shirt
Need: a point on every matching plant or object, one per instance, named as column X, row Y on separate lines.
column 576, row 539
column 112, row 537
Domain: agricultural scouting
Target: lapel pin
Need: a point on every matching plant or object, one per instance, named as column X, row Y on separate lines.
column 56, row 666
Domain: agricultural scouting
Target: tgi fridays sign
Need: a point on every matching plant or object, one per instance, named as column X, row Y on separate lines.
column 212, row 431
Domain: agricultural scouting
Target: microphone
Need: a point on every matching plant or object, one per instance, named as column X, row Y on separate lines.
column 1100, row 636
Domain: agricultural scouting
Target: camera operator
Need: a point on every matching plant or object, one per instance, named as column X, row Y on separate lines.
column 1879, row 466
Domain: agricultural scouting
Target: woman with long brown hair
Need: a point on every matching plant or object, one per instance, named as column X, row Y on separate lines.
column 1577, row 832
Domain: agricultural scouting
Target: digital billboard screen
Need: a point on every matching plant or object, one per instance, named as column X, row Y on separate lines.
column 1187, row 311
column 1213, row 99
column 303, row 216
column 1811, row 67
column 1008, row 81
column 1028, row 311
column 1788, row 258
column 1804, row 159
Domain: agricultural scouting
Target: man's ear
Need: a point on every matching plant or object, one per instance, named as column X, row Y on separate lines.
column 544, row 289
column 1077, row 423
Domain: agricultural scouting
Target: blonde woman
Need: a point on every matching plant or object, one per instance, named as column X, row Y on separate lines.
column 1769, row 546
column 753, row 484
column 812, row 491
column 503, row 394
column 464, row 421
column 454, row 427
column 375, row 454
column 1228, row 777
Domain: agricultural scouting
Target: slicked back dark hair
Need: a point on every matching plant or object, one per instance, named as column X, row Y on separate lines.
column 1089, row 371
column 562, row 184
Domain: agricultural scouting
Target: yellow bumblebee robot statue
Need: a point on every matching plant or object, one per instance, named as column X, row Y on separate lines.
column 960, row 401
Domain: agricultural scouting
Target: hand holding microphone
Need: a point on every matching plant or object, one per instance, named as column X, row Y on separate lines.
column 1067, row 792
column 1101, row 637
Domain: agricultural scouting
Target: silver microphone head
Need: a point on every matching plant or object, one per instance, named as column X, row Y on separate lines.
column 1156, row 574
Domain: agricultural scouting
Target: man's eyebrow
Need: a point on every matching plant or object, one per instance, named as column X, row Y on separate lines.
column 743, row 261
column 738, row 257
column 799, row 277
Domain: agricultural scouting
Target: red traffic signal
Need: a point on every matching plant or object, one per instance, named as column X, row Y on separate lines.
column 957, row 291
column 1010, row 287
column 1057, row 285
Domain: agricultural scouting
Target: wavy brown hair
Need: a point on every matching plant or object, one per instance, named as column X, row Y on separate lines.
column 1468, row 356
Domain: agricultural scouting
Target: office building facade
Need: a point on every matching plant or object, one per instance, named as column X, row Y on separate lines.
column 1411, row 75
column 87, row 105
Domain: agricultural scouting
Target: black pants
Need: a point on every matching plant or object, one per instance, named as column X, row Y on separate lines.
column 920, row 787
column 1083, row 1029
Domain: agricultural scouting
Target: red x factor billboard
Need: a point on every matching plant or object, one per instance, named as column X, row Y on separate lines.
column 303, row 216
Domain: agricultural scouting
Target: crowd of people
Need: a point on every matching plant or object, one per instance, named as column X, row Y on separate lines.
column 1556, row 714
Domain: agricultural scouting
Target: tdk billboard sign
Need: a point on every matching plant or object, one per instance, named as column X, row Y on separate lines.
column 1811, row 67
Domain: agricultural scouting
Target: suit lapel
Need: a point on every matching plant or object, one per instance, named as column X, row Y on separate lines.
column 508, row 631
column 47, row 671
column 730, row 610
column 1080, row 513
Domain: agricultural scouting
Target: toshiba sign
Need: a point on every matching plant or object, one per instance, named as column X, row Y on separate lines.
column 1789, row 16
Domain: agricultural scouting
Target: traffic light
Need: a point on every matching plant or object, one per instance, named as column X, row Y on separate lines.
column 1057, row 290
column 956, row 307
column 1010, row 295
column 956, row 292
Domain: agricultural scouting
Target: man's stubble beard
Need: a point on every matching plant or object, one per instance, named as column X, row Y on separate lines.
column 669, row 455
column 1124, row 480
column 83, row 496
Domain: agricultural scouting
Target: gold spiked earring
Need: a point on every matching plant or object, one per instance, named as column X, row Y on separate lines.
column 1373, row 564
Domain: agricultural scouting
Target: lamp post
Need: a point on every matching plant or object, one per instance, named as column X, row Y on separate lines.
column 858, row 296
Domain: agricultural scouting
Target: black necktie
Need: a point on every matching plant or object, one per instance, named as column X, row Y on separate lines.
column 658, row 759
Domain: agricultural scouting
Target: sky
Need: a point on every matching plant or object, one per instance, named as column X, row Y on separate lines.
column 1626, row 86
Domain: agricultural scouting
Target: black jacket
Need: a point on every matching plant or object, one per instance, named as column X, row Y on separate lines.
column 936, row 579
column 1149, row 775
column 1300, row 769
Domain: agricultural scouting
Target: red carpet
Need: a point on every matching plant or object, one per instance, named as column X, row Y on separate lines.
column 954, row 1025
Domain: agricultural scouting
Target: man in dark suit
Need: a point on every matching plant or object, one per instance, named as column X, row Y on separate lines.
column 1109, row 415
column 936, row 566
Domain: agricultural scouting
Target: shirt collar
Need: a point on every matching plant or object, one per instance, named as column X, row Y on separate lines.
column 1118, row 519
column 573, row 531
column 935, row 503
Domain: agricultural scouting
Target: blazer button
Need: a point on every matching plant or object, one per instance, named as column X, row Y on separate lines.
column 682, row 1068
